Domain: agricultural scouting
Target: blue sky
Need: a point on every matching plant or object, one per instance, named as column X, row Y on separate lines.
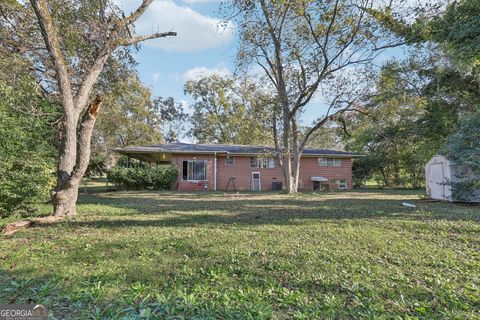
column 202, row 47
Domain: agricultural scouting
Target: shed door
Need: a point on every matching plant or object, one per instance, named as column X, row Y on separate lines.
column 437, row 181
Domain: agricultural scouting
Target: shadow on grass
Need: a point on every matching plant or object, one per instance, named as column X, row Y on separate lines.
column 225, row 279
column 187, row 210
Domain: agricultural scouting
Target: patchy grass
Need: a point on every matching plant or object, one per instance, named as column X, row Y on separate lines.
column 253, row 256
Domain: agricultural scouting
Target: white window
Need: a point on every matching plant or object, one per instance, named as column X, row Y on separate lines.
column 195, row 170
column 270, row 163
column 329, row 162
column 262, row 162
column 229, row 161
column 341, row 184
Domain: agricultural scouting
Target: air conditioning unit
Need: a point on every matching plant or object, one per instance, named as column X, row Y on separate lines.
column 276, row 186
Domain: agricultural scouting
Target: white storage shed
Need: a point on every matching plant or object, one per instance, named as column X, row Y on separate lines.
column 439, row 173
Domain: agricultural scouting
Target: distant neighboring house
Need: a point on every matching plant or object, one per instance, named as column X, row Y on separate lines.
column 443, row 178
column 214, row 166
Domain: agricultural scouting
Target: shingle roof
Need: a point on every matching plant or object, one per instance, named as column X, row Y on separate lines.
column 221, row 148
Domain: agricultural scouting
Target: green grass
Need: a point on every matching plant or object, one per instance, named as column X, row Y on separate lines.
column 95, row 185
column 169, row 255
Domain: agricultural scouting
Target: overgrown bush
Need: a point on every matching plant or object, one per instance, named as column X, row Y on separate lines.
column 27, row 150
column 144, row 178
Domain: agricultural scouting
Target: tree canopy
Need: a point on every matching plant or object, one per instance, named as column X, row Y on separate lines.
column 228, row 110
column 420, row 102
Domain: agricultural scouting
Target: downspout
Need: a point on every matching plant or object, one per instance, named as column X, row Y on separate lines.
column 215, row 172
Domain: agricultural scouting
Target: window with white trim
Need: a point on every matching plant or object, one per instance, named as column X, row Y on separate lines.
column 341, row 183
column 329, row 162
column 262, row 162
column 195, row 170
column 229, row 161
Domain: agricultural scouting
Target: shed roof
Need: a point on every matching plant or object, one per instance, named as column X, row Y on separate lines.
column 222, row 149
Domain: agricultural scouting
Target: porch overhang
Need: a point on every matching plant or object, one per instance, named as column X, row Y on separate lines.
column 146, row 155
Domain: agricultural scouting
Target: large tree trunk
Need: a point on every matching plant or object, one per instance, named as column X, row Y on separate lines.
column 73, row 163
column 287, row 168
column 296, row 155
column 287, row 153
column 68, row 149
column 295, row 170
column 278, row 149
column 64, row 201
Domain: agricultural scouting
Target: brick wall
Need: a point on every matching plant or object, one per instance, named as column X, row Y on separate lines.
column 309, row 168
column 243, row 173
column 177, row 160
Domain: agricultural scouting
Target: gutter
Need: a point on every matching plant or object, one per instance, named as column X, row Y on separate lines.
column 235, row 154
column 120, row 150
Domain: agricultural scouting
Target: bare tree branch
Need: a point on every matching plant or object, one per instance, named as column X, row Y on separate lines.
column 134, row 16
column 88, row 82
column 137, row 39
column 83, row 93
column 49, row 33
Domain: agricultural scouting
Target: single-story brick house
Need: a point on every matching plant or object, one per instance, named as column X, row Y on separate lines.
column 216, row 166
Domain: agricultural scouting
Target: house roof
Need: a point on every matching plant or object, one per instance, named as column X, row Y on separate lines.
column 222, row 149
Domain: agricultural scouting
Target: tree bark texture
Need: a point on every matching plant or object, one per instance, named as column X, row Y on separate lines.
column 65, row 195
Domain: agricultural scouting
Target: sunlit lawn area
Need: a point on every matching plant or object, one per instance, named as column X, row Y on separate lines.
column 95, row 185
column 252, row 256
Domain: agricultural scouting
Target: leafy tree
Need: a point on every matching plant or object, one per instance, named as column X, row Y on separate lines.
column 133, row 117
column 452, row 91
column 327, row 137
column 15, row 23
column 301, row 46
column 172, row 118
column 454, row 28
column 79, row 37
column 230, row 111
column 27, row 148
column 414, row 109
column 463, row 148
column 457, row 33
column 401, row 130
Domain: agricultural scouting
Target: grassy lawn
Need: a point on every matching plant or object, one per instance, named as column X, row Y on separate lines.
column 95, row 185
column 255, row 256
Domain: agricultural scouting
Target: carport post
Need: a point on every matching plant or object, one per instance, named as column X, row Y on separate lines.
column 215, row 172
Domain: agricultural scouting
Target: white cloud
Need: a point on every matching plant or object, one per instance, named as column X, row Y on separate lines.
column 194, row 31
column 156, row 76
column 201, row 72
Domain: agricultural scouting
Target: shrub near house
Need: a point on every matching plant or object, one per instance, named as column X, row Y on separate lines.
column 144, row 178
